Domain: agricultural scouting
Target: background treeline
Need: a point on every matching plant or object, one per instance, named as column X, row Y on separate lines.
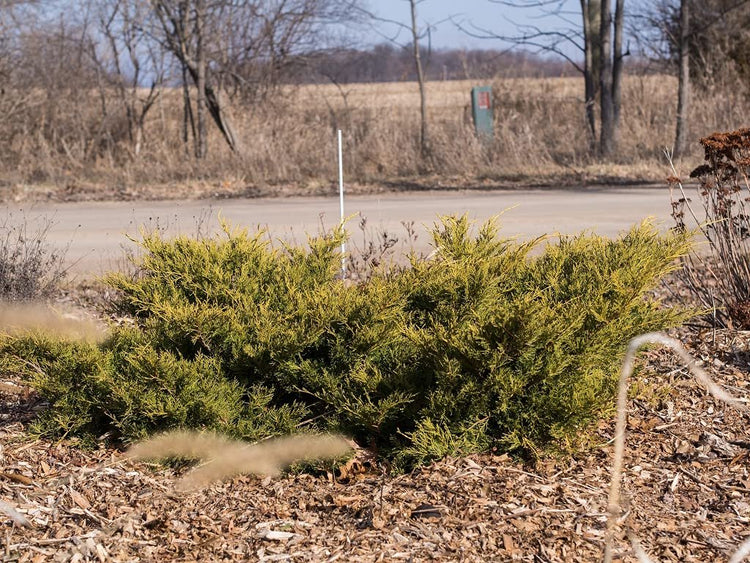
column 387, row 62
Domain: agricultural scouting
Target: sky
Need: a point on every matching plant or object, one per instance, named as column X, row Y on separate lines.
column 441, row 15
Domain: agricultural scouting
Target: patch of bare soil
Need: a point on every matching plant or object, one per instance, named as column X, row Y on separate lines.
column 686, row 485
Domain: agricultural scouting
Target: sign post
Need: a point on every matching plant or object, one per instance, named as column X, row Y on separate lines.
column 481, row 111
column 341, row 201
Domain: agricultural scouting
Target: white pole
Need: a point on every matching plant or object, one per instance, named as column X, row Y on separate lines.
column 341, row 201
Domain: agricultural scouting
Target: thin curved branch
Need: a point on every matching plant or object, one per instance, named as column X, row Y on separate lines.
column 534, row 39
column 703, row 378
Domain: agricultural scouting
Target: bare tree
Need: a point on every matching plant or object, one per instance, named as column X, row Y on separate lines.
column 127, row 58
column 80, row 78
column 424, row 142
column 46, row 85
column 230, row 47
column 598, row 38
column 416, row 35
column 12, row 14
column 683, row 87
column 278, row 41
column 696, row 39
column 184, row 29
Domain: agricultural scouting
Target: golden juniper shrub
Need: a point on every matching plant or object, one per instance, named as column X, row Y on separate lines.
column 482, row 345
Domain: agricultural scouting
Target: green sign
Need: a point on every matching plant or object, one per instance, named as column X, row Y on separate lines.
column 481, row 110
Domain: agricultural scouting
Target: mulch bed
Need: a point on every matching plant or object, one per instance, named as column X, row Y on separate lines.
column 686, row 484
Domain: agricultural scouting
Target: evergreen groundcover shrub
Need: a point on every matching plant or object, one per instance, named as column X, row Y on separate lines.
column 484, row 345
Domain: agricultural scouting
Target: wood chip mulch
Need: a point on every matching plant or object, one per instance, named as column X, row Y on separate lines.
column 686, row 484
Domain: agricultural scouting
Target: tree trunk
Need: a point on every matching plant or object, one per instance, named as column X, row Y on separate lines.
column 218, row 112
column 607, row 132
column 424, row 142
column 589, row 78
column 215, row 105
column 188, row 122
column 683, row 87
column 617, row 64
column 595, row 15
column 200, row 80
column 138, row 138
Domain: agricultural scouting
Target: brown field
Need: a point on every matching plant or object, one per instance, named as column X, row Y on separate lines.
column 449, row 95
column 288, row 141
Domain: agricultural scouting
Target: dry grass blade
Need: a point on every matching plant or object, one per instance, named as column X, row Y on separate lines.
column 17, row 518
column 227, row 458
column 622, row 399
column 181, row 443
column 17, row 318
column 742, row 552
column 640, row 553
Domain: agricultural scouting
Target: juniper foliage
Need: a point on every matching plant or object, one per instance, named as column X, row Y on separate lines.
column 483, row 345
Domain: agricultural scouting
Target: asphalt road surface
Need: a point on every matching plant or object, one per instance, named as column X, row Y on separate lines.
column 96, row 233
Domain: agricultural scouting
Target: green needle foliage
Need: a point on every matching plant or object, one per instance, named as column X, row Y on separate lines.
column 484, row 345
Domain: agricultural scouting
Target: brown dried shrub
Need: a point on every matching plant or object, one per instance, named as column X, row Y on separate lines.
column 720, row 279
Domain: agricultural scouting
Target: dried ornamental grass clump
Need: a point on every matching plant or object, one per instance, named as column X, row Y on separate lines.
column 30, row 269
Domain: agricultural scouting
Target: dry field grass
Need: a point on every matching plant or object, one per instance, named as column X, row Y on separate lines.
column 448, row 95
column 288, row 142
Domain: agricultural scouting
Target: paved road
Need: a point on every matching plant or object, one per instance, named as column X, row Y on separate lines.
column 97, row 231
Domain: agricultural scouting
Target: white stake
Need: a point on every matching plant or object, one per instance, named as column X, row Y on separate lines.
column 341, row 200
